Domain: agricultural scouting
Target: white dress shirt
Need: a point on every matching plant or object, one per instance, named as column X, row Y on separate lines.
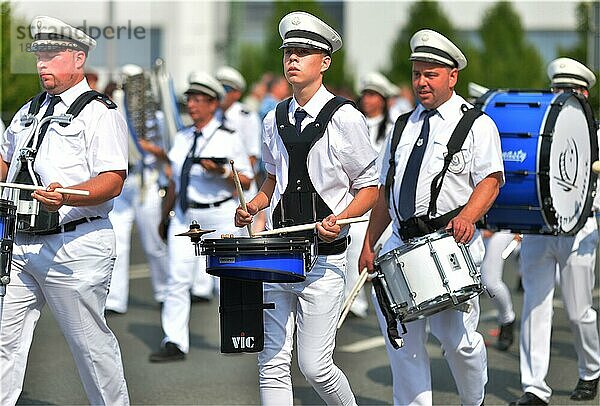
column 248, row 126
column 94, row 142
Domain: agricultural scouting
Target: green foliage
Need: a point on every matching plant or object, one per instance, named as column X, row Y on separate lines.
column 580, row 49
column 509, row 60
column 269, row 58
column 423, row 14
column 15, row 88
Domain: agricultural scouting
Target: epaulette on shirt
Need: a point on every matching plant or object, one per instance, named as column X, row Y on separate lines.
column 244, row 112
column 229, row 130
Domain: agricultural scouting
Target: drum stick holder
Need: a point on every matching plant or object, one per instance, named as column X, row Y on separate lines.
column 241, row 315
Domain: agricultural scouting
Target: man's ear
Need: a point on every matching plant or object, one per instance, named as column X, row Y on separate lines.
column 325, row 63
column 80, row 58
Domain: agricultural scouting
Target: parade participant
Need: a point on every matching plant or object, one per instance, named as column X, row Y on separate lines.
column 575, row 257
column 336, row 176
column 468, row 190
column 374, row 92
column 492, row 268
column 246, row 123
column 278, row 88
column 204, row 186
column 140, row 203
column 69, row 266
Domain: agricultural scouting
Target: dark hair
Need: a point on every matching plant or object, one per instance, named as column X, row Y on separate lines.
column 382, row 126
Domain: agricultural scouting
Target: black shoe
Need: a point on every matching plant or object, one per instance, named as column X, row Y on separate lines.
column 199, row 299
column 506, row 336
column 529, row 398
column 585, row 390
column 170, row 352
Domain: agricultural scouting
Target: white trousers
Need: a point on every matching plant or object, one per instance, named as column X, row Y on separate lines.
column 71, row 273
column 142, row 206
column 310, row 309
column 357, row 237
column 462, row 346
column 575, row 257
column 184, row 264
column 491, row 275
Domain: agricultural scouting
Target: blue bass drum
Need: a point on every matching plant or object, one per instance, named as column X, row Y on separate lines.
column 549, row 143
column 267, row 259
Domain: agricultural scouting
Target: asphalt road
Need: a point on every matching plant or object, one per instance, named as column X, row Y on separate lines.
column 207, row 377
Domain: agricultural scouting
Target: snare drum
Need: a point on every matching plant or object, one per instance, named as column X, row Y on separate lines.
column 428, row 275
column 267, row 259
column 549, row 143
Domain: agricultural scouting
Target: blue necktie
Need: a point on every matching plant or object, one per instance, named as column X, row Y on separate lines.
column 185, row 173
column 54, row 100
column 299, row 115
column 408, row 188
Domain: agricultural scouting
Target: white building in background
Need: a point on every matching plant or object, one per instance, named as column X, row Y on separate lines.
column 196, row 35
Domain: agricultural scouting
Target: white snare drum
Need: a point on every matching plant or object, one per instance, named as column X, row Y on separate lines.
column 429, row 274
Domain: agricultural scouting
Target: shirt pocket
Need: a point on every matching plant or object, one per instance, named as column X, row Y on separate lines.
column 67, row 143
column 436, row 162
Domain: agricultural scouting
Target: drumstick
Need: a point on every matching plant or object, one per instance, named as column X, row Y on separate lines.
column 33, row 187
column 353, row 293
column 309, row 226
column 509, row 248
column 238, row 186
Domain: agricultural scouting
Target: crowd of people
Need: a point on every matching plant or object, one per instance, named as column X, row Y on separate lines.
column 380, row 156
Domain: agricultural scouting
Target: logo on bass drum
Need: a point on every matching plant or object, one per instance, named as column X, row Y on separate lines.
column 568, row 163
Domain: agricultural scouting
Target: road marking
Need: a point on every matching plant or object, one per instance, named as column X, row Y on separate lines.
column 364, row 345
column 139, row 271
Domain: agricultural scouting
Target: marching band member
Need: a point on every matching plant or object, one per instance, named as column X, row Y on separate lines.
column 375, row 89
column 205, row 194
column 69, row 266
column 468, row 190
column 575, row 257
column 334, row 179
column 492, row 268
column 140, row 202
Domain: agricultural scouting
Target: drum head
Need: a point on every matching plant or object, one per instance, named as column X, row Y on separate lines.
column 573, row 149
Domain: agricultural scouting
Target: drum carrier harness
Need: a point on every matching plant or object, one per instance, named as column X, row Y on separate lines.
column 45, row 222
column 300, row 203
column 422, row 225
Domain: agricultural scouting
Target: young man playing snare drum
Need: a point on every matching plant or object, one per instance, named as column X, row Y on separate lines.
column 331, row 178
column 468, row 189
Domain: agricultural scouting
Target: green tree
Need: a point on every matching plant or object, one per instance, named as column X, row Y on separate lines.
column 579, row 51
column 509, row 60
column 424, row 15
column 269, row 58
column 15, row 87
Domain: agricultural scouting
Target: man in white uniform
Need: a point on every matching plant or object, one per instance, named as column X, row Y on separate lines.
column 329, row 175
column 468, row 190
column 68, row 266
column 575, row 257
column 205, row 194
column 140, row 203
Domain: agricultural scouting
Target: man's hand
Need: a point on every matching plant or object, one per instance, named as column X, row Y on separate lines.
column 328, row 229
column 242, row 217
column 462, row 229
column 51, row 200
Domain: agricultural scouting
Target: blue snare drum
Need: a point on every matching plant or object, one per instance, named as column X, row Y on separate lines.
column 267, row 259
column 549, row 143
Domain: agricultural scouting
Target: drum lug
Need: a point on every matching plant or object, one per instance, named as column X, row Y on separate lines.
column 464, row 307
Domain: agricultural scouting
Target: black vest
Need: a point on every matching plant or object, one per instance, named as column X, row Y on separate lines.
column 300, row 203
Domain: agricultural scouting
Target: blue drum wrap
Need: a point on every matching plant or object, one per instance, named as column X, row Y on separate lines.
column 7, row 219
column 548, row 145
column 258, row 259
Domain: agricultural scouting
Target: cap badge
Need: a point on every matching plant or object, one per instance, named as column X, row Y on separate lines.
column 563, row 65
column 296, row 20
column 39, row 24
column 425, row 38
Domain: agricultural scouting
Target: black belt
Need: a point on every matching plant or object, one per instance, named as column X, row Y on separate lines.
column 70, row 226
column 333, row 248
column 194, row 205
column 419, row 226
